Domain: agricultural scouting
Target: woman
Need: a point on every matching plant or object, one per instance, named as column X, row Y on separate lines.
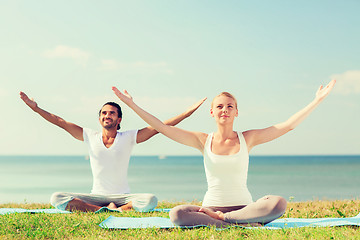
column 226, row 157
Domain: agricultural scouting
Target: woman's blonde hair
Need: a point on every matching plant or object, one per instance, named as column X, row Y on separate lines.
column 226, row 94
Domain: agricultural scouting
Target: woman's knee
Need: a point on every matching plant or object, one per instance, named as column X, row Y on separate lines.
column 178, row 214
column 274, row 204
column 175, row 213
column 278, row 205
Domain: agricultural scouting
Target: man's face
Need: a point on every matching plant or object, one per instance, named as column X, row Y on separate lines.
column 109, row 117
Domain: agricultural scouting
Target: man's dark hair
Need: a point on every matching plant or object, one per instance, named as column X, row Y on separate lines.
column 118, row 110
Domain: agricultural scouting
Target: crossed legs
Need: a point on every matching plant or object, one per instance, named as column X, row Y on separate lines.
column 77, row 204
column 141, row 202
column 263, row 211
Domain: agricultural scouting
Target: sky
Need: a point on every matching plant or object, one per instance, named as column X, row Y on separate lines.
column 272, row 55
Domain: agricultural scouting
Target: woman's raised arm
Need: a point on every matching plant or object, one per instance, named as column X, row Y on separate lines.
column 259, row 136
column 192, row 139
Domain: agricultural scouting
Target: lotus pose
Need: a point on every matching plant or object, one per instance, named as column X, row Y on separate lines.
column 226, row 158
column 109, row 152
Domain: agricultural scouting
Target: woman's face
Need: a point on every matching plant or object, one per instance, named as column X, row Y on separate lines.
column 224, row 109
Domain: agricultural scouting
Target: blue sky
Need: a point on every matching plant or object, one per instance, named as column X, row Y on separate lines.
column 272, row 55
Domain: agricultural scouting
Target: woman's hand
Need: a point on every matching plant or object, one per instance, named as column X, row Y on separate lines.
column 322, row 92
column 217, row 215
column 124, row 97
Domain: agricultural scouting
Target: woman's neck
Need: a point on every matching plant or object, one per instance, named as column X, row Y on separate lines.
column 224, row 132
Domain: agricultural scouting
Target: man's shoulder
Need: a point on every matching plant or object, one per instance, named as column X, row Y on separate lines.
column 90, row 132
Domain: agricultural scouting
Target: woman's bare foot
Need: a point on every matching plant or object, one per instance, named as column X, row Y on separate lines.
column 220, row 216
column 217, row 215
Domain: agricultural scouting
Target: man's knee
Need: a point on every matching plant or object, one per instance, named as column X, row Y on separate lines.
column 60, row 200
column 152, row 200
column 145, row 202
column 55, row 198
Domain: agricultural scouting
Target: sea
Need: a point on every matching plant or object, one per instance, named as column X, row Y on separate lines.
column 29, row 179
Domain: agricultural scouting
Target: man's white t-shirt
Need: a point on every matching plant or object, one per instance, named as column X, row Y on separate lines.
column 109, row 166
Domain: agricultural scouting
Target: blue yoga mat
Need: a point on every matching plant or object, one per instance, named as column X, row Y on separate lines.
column 105, row 209
column 161, row 209
column 22, row 210
column 159, row 222
column 52, row 210
column 127, row 222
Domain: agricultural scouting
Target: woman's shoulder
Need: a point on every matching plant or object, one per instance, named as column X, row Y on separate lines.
column 202, row 137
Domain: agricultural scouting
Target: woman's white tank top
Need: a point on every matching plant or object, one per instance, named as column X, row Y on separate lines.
column 226, row 176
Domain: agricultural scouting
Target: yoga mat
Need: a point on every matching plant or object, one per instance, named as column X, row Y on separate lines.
column 4, row 211
column 105, row 209
column 127, row 222
column 159, row 222
column 52, row 210
column 161, row 210
column 314, row 222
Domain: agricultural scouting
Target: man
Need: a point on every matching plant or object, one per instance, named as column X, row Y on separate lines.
column 109, row 152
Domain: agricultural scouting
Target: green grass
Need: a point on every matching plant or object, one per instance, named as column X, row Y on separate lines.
column 85, row 225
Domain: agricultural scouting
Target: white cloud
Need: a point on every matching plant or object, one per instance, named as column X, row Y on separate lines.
column 110, row 64
column 347, row 82
column 61, row 51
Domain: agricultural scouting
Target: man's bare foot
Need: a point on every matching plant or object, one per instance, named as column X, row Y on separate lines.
column 127, row 207
column 79, row 205
column 112, row 206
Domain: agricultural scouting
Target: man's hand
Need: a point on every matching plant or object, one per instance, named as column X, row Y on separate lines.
column 30, row 102
column 194, row 107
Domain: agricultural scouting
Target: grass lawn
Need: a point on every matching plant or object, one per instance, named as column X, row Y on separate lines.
column 85, row 225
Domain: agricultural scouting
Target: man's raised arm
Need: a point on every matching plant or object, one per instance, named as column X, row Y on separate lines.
column 73, row 129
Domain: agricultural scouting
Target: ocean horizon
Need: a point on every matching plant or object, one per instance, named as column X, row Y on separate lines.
column 28, row 179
